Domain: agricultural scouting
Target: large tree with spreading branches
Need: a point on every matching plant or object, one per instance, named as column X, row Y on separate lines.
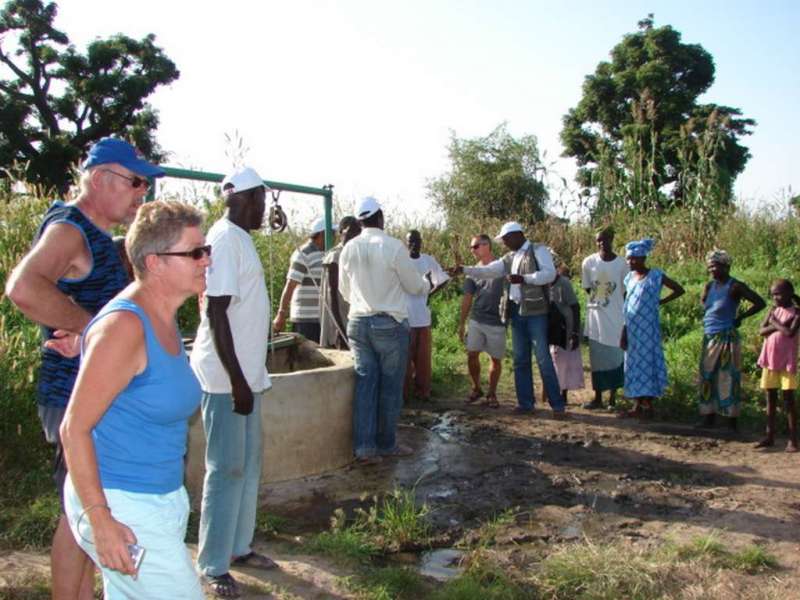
column 55, row 100
column 639, row 125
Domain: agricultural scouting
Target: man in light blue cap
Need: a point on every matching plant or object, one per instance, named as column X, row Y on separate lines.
column 70, row 273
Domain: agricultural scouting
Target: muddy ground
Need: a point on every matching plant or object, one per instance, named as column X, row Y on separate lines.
column 593, row 478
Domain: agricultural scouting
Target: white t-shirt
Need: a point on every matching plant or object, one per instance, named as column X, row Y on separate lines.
column 605, row 282
column 419, row 315
column 235, row 271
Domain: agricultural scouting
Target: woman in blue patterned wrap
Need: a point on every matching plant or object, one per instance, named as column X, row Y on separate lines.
column 645, row 369
column 126, row 425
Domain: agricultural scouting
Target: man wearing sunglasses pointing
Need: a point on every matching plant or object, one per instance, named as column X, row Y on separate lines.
column 70, row 273
column 229, row 358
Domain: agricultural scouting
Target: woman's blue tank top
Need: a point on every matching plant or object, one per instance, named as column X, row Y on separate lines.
column 140, row 441
column 720, row 308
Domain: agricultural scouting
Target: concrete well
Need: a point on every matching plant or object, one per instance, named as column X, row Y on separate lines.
column 307, row 416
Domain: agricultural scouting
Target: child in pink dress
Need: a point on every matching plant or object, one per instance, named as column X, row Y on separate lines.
column 778, row 360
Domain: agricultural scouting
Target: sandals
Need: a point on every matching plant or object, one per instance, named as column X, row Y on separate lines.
column 474, row 396
column 254, row 560
column 222, row 586
column 491, row 401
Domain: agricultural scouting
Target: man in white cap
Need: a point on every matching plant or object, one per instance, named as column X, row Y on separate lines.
column 70, row 273
column 300, row 296
column 229, row 358
column 376, row 276
column 528, row 269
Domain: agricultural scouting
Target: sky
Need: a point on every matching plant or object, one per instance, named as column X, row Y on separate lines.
column 365, row 94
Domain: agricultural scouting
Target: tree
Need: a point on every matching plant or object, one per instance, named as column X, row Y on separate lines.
column 58, row 101
column 496, row 176
column 638, row 131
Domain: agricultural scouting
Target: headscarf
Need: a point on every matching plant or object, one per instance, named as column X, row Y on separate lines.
column 719, row 256
column 639, row 247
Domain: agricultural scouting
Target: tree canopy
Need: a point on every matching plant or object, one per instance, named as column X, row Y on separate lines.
column 497, row 177
column 639, row 122
column 55, row 101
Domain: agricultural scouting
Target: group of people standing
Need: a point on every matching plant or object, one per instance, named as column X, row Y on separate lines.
column 116, row 388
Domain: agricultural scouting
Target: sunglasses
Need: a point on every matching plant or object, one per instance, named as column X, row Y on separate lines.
column 136, row 181
column 476, row 246
column 195, row 253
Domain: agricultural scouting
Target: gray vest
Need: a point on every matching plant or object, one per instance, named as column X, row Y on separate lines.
column 535, row 298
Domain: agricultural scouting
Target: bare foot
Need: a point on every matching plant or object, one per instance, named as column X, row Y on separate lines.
column 765, row 443
column 791, row 447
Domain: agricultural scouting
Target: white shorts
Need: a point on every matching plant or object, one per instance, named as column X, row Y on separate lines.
column 486, row 338
column 159, row 523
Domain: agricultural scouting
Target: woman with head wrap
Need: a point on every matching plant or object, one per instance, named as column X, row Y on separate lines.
column 720, row 356
column 645, row 369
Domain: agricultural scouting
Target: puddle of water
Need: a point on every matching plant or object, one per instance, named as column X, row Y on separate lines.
column 441, row 565
column 448, row 427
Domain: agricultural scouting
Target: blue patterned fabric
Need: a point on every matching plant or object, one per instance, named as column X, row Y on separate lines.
column 104, row 281
column 645, row 369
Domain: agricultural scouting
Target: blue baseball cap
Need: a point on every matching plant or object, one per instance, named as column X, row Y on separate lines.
column 114, row 150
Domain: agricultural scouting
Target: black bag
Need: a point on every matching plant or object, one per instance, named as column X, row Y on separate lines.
column 556, row 327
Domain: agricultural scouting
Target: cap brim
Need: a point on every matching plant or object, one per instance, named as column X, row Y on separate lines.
column 143, row 168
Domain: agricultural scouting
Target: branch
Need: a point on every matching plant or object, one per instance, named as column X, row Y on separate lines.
column 17, row 71
column 15, row 93
column 40, row 96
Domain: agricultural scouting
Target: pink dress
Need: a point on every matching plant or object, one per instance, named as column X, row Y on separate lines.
column 779, row 352
column 568, row 363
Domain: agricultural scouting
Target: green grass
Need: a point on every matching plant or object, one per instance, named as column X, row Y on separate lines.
column 388, row 583
column 751, row 559
column 389, row 524
column 396, row 519
column 269, row 525
column 589, row 571
column 348, row 545
column 483, row 579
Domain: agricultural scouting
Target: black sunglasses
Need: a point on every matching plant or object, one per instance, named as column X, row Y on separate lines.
column 478, row 245
column 195, row 253
column 136, row 181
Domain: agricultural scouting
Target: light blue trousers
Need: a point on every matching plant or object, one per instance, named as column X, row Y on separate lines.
column 230, row 487
column 159, row 523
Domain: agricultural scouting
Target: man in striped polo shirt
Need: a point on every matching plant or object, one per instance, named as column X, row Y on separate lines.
column 300, row 297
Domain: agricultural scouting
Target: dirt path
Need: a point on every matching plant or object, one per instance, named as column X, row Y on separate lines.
column 593, row 477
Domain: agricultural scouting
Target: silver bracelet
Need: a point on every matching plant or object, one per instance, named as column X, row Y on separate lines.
column 84, row 513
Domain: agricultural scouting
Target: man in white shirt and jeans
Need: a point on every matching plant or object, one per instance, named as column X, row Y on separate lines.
column 229, row 359
column 528, row 269
column 376, row 276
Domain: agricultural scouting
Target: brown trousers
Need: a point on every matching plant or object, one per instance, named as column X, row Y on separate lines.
column 418, row 370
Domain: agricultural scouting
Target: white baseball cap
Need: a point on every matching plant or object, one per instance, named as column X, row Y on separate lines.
column 507, row 228
column 367, row 207
column 319, row 226
column 241, row 180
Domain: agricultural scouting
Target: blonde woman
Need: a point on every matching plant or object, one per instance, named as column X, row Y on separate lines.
column 125, row 429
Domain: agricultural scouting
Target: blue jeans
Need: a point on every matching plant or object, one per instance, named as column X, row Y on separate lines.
column 380, row 352
column 230, row 487
column 527, row 332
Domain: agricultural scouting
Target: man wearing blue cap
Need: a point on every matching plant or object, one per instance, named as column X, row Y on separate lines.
column 69, row 274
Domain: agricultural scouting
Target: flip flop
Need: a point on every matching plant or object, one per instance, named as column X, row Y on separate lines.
column 474, row 396
column 491, row 401
column 254, row 560
column 222, row 586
